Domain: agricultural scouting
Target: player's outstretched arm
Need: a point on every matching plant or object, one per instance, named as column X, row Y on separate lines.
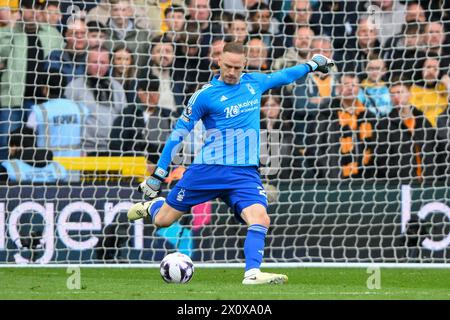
column 191, row 114
column 285, row 76
column 152, row 185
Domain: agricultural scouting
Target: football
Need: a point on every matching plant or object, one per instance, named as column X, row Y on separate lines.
column 177, row 268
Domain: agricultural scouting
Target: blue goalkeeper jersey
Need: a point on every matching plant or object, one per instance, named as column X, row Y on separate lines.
column 231, row 117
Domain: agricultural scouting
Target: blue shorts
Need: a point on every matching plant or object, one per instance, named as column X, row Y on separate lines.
column 238, row 187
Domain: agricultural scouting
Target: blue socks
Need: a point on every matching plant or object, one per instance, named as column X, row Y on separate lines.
column 254, row 246
column 155, row 207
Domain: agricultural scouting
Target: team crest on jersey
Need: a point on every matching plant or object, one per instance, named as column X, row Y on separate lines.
column 185, row 116
column 250, row 88
column 188, row 110
column 180, row 195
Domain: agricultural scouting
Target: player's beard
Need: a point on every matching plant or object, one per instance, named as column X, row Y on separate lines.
column 230, row 80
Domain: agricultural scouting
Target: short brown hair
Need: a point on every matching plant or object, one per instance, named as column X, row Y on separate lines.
column 234, row 47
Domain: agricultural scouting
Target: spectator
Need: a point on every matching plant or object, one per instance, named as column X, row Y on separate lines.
column 342, row 144
column 9, row 13
column 188, row 75
column 430, row 93
column 175, row 20
column 435, row 43
column 436, row 10
column 161, row 66
column 390, row 17
column 70, row 61
column 142, row 128
column 293, row 56
column 277, row 162
column 22, row 51
column 257, row 55
column 238, row 30
column 200, row 13
column 28, row 164
column 367, row 44
column 210, row 66
column 141, row 16
column 374, row 92
column 414, row 26
column 338, row 20
column 52, row 15
column 154, row 10
column 299, row 16
column 97, row 35
column 122, row 30
column 407, row 122
column 415, row 13
column 58, row 123
column 124, row 71
column 404, row 53
column 103, row 96
column 299, row 52
column 239, row 6
column 312, row 92
column 260, row 18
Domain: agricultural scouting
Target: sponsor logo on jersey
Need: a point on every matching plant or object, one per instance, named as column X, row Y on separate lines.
column 237, row 109
column 223, row 98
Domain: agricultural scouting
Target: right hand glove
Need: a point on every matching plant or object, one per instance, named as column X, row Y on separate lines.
column 320, row 63
column 152, row 185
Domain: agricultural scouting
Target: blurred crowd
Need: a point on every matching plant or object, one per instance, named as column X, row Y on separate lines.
column 111, row 77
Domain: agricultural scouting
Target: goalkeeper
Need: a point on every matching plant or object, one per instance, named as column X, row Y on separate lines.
column 227, row 165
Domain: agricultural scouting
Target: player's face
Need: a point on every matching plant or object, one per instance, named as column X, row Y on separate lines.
column 231, row 66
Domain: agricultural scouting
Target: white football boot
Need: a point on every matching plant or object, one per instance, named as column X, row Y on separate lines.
column 141, row 210
column 265, row 278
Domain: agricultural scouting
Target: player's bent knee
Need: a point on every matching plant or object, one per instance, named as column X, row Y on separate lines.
column 162, row 221
column 256, row 214
column 166, row 216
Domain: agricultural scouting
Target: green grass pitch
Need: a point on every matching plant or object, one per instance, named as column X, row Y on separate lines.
column 146, row 283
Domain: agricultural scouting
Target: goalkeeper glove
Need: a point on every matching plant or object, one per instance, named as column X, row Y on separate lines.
column 320, row 63
column 152, row 185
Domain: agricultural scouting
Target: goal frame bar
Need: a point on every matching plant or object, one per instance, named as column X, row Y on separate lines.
column 242, row 265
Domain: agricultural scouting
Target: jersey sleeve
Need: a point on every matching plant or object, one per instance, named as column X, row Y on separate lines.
column 282, row 77
column 193, row 112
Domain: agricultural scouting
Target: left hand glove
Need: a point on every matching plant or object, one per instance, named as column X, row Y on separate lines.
column 152, row 185
column 320, row 63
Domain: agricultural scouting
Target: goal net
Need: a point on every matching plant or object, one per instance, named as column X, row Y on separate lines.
column 354, row 162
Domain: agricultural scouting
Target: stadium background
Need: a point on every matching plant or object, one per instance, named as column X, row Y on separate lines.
column 384, row 211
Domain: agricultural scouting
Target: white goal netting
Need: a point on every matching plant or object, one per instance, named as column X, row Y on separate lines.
column 355, row 162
